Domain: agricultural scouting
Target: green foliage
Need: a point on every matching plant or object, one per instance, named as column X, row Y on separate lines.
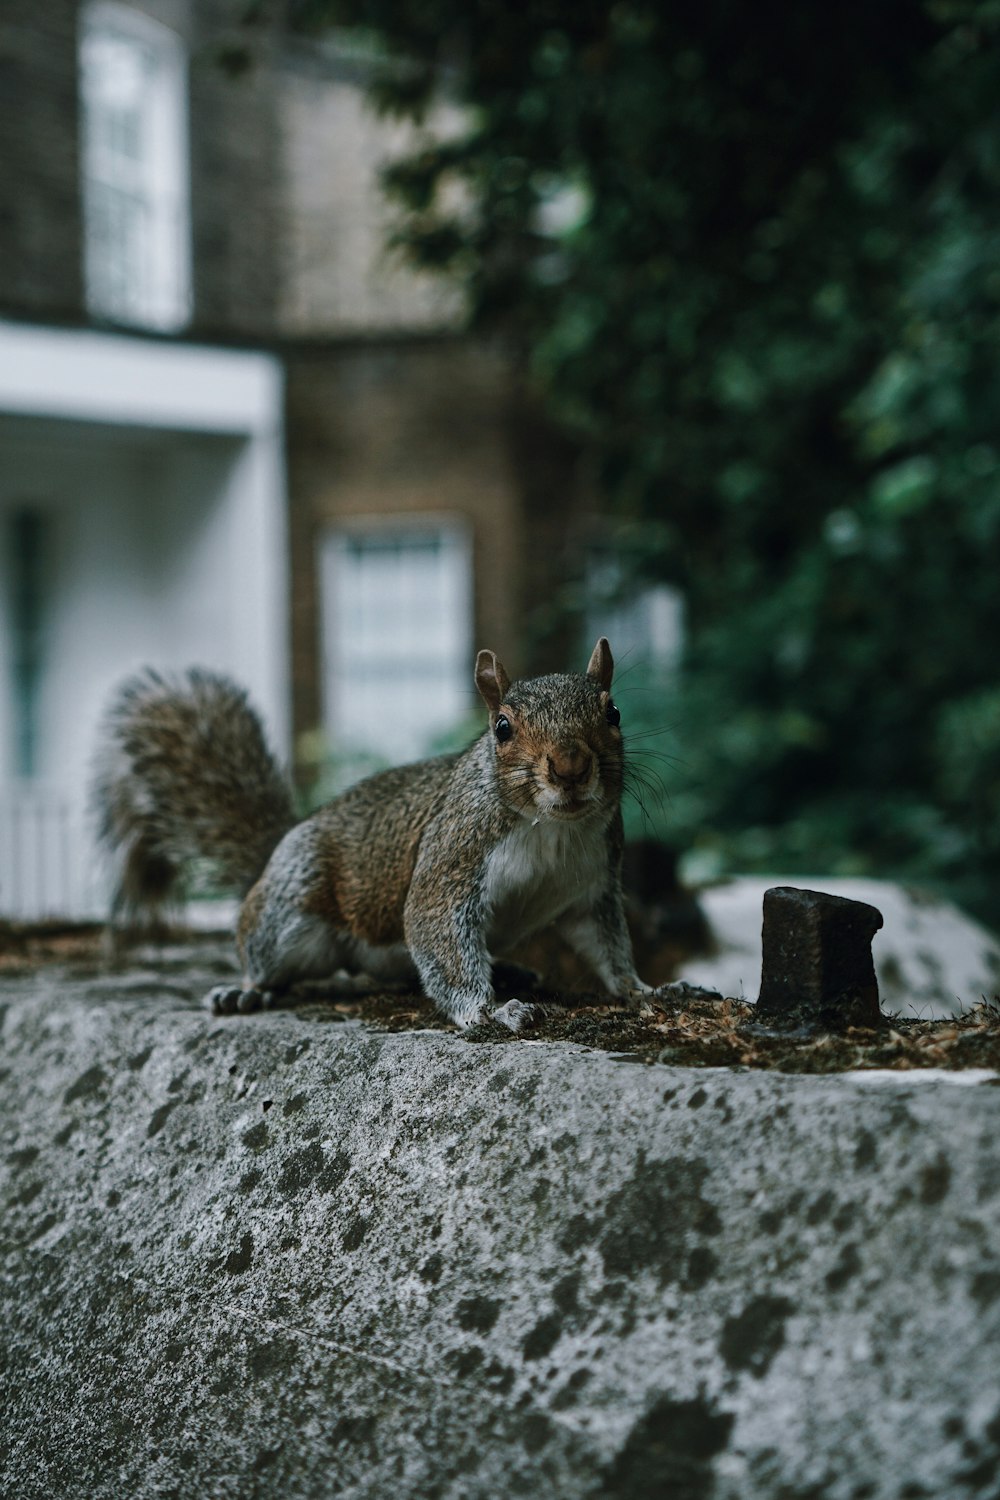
column 751, row 255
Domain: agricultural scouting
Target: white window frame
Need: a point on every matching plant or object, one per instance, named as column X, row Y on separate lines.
column 136, row 205
column 433, row 711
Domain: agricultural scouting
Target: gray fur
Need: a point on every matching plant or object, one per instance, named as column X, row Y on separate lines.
column 435, row 869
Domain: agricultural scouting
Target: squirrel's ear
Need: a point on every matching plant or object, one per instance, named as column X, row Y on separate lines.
column 491, row 679
column 601, row 664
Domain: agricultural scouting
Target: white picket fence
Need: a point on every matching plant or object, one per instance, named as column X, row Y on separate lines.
column 48, row 863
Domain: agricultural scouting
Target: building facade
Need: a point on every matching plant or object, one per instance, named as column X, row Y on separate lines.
column 143, row 494
column 234, row 428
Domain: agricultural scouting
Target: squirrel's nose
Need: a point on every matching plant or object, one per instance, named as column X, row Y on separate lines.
column 570, row 765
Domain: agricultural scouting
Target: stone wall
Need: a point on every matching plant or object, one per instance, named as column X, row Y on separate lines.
column 278, row 1257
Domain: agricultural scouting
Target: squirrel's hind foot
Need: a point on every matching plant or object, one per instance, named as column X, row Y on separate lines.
column 518, row 1015
column 230, row 1000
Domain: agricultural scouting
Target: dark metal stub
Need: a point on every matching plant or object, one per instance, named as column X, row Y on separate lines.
column 818, row 969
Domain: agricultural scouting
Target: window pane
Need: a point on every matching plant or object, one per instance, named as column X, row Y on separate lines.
column 135, row 169
column 397, row 637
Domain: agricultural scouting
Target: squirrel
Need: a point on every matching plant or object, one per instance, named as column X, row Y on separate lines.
column 420, row 874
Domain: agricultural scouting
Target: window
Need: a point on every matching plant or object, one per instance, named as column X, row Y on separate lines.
column 397, row 614
column 644, row 622
column 133, row 89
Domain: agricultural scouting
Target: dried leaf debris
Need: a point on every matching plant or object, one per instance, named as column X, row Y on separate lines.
column 685, row 1027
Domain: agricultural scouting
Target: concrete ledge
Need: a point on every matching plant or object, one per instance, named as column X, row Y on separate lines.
column 275, row 1257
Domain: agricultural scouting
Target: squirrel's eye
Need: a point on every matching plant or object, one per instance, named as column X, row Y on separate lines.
column 612, row 715
column 502, row 729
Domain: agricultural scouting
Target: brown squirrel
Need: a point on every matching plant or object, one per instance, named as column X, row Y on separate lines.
column 418, row 874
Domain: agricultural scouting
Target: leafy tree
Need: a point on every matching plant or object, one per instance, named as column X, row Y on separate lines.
column 750, row 254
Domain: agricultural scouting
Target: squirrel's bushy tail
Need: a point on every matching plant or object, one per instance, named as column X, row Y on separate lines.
column 183, row 772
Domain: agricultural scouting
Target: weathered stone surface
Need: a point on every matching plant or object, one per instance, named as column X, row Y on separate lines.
column 276, row 1257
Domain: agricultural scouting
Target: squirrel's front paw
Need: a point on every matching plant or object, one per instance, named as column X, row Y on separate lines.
column 228, row 1000
column 678, row 990
column 517, row 1014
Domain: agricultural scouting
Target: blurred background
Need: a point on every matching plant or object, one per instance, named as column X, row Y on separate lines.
column 340, row 339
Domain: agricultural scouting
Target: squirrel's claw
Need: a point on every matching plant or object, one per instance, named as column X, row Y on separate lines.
column 230, row 1000
column 640, row 999
column 222, row 999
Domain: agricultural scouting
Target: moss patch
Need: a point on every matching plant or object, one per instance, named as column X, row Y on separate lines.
column 702, row 1032
column 695, row 1030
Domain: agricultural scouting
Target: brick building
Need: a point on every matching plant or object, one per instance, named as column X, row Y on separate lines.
column 233, row 429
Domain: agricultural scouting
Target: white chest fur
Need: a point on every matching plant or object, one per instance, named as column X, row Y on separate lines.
column 538, row 872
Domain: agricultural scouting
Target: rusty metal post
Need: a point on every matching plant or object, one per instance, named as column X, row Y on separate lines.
column 817, row 967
